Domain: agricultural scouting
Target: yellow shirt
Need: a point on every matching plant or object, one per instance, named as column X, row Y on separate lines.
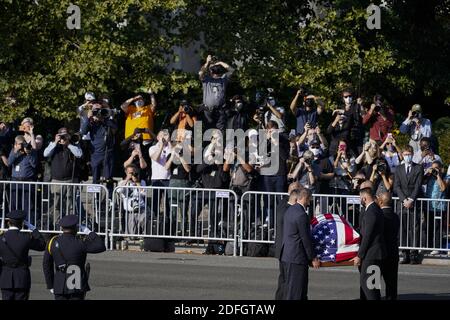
column 139, row 117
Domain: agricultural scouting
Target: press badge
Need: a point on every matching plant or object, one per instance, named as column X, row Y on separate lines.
column 213, row 173
column 175, row 171
column 17, row 168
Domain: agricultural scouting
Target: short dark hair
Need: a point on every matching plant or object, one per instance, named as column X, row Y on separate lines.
column 367, row 192
column 272, row 124
column 15, row 223
column 133, row 166
column 348, row 89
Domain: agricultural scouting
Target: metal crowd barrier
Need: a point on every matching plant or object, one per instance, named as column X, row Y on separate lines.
column 45, row 203
column 424, row 227
column 174, row 213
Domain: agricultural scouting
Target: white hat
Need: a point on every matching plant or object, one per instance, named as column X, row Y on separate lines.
column 89, row 96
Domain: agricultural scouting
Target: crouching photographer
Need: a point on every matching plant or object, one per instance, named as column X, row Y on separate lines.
column 435, row 226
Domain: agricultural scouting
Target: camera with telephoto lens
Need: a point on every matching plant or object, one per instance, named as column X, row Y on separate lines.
column 186, row 107
column 381, row 166
column 104, row 112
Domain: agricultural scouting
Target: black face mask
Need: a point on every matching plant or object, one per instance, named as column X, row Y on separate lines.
column 309, row 103
column 238, row 106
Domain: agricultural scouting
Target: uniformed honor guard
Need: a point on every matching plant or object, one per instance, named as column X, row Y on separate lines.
column 15, row 279
column 65, row 269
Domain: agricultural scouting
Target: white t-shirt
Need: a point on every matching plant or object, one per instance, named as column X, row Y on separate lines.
column 158, row 170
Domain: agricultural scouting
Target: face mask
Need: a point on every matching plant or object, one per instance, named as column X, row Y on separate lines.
column 271, row 102
column 315, row 151
column 139, row 103
column 408, row 159
column 348, row 100
column 239, row 106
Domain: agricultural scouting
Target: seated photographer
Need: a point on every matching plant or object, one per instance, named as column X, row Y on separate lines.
column 339, row 129
column 234, row 116
column 23, row 161
column 270, row 111
column 183, row 119
column 214, row 75
column 380, row 119
column 305, row 172
column 344, row 166
column 133, row 200
column 435, row 226
column 426, row 156
column 417, row 127
column 140, row 114
column 391, row 152
column 308, row 112
column 102, row 128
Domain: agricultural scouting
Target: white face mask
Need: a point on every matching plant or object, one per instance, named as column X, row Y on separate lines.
column 315, row 151
column 348, row 100
column 407, row 159
column 139, row 103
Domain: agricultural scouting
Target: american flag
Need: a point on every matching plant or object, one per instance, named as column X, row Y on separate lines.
column 334, row 238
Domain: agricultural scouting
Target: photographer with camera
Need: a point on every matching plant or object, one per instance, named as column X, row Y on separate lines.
column 136, row 157
column 184, row 119
column 140, row 114
column 380, row 176
column 305, row 172
column 417, row 127
column 380, row 119
column 353, row 111
column 308, row 112
column 344, row 167
column 234, row 116
column 214, row 75
column 268, row 110
column 63, row 155
column 339, row 129
column 102, row 127
column 436, row 218
column 23, row 160
column 27, row 127
column 391, row 152
column 133, row 199
column 309, row 135
column 426, row 156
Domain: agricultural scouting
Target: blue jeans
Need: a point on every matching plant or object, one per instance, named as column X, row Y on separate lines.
column 271, row 184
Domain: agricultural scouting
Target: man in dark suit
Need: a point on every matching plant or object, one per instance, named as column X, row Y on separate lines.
column 15, row 279
column 407, row 185
column 372, row 249
column 389, row 267
column 67, row 254
column 281, row 210
column 297, row 250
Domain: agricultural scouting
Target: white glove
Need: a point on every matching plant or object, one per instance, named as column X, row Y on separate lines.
column 29, row 225
column 85, row 229
column 51, row 291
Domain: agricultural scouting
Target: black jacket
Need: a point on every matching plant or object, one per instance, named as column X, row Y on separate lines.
column 281, row 210
column 68, row 249
column 14, row 247
column 297, row 245
column 408, row 186
column 371, row 224
column 391, row 233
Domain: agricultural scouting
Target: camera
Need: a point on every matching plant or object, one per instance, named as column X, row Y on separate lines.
column 25, row 146
column 104, row 112
column 381, row 166
column 435, row 172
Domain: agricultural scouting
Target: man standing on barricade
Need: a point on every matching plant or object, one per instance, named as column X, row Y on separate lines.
column 15, row 279
column 65, row 269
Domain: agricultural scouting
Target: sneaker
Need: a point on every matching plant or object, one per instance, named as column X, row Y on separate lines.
column 434, row 253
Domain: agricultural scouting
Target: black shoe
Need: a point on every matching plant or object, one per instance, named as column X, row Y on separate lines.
column 415, row 260
column 404, row 260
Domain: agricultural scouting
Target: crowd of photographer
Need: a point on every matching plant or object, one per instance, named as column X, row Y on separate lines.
column 326, row 156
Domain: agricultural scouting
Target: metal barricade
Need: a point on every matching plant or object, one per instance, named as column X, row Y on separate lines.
column 45, row 203
column 424, row 227
column 174, row 213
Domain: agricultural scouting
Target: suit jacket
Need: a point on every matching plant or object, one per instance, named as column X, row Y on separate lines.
column 297, row 245
column 68, row 249
column 371, row 222
column 14, row 247
column 281, row 210
column 408, row 186
column 391, row 233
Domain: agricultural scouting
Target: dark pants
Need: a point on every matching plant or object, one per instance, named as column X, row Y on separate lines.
column 217, row 219
column 390, row 275
column 367, row 293
column 296, row 281
column 279, row 295
column 159, row 196
column 22, row 198
column 102, row 167
column 179, row 203
column 73, row 296
column 15, row 294
column 271, row 184
column 410, row 236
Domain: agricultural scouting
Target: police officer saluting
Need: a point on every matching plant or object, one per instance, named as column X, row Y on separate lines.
column 65, row 259
column 15, row 279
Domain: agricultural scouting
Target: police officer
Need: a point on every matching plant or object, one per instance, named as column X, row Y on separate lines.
column 15, row 278
column 66, row 253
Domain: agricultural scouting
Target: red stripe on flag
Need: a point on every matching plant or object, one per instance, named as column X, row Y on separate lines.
column 345, row 256
column 328, row 216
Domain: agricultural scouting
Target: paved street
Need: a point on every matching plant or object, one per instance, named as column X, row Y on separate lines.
column 141, row 275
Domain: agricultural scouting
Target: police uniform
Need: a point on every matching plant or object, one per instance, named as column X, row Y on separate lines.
column 65, row 259
column 15, row 278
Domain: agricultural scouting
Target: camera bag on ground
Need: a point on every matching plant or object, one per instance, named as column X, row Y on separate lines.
column 157, row 244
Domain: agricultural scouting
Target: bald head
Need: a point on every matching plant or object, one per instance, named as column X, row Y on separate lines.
column 385, row 199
